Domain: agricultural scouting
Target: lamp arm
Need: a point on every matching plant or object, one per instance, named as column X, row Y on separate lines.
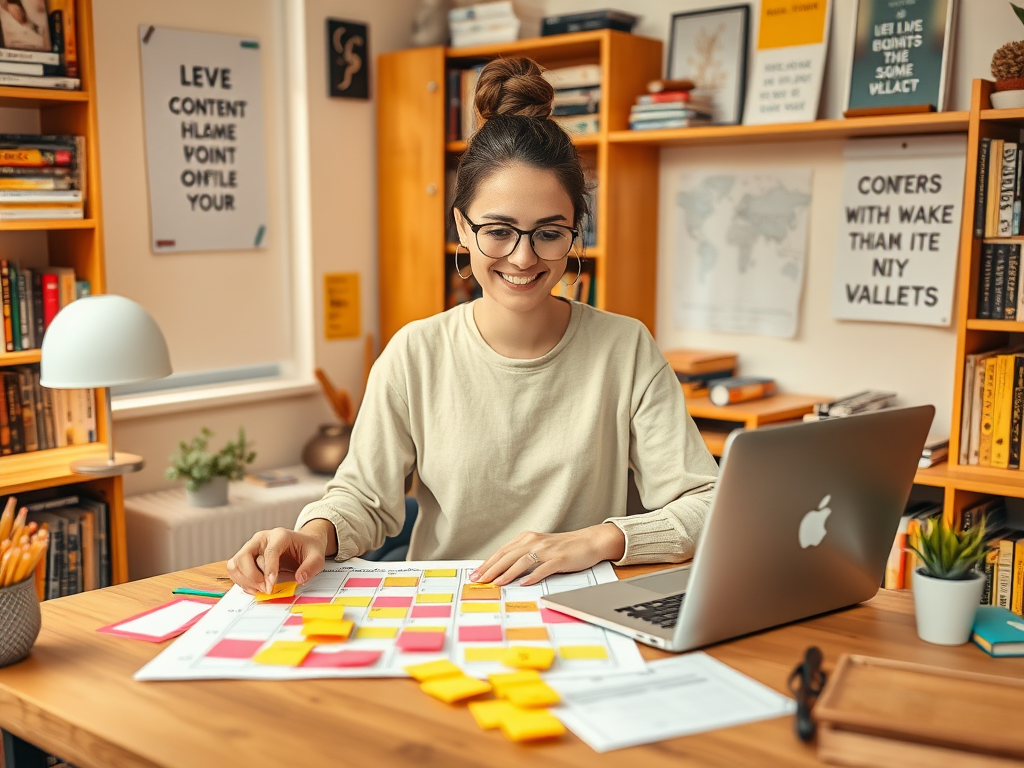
column 108, row 415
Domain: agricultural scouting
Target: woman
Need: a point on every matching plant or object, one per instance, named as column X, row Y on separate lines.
column 521, row 412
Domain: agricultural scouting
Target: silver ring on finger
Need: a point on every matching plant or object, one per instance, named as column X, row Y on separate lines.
column 533, row 556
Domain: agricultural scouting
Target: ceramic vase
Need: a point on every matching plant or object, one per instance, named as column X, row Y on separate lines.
column 945, row 608
column 20, row 620
column 326, row 449
column 211, row 494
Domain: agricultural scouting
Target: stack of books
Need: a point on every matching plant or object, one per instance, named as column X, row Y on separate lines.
column 41, row 177
column 697, row 368
column 902, row 561
column 483, row 24
column 588, row 20
column 999, row 294
column 577, row 97
column 992, row 410
column 935, row 451
column 860, row 402
column 34, row 418
column 670, row 104
column 30, row 299
column 39, row 49
column 997, row 205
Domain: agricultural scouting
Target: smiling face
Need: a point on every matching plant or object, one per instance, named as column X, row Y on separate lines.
column 525, row 197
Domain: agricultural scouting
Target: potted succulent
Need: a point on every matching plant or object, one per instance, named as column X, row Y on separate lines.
column 1008, row 70
column 206, row 474
column 948, row 585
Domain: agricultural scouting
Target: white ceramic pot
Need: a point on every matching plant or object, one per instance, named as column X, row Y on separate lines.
column 1007, row 99
column 945, row 608
column 211, row 494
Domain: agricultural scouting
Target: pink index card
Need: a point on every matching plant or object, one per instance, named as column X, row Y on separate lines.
column 234, row 649
column 422, row 641
column 294, row 620
column 163, row 622
column 431, row 611
column 483, row 634
column 341, row 659
column 360, row 582
column 313, row 599
column 549, row 616
column 278, row 601
column 392, row 602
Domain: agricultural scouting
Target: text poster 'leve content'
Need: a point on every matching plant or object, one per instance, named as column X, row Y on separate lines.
column 897, row 241
column 205, row 151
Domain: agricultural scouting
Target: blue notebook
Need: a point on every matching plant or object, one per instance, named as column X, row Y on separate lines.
column 998, row 632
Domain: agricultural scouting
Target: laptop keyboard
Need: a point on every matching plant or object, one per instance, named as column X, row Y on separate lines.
column 663, row 612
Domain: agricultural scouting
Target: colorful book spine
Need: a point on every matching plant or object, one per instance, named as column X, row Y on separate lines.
column 980, row 193
column 1017, row 590
column 1007, row 182
column 1004, row 574
column 1001, row 412
column 986, row 268
column 1016, row 411
column 987, row 411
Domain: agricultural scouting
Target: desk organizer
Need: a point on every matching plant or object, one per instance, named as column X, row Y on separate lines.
column 879, row 713
column 19, row 620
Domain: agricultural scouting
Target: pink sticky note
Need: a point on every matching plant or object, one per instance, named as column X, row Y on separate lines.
column 234, row 649
column 431, row 611
column 341, row 659
column 392, row 602
column 293, row 621
column 422, row 641
column 358, row 582
column 312, row 599
column 549, row 616
column 485, row 634
column 163, row 622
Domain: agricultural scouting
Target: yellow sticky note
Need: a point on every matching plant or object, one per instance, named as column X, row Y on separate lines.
column 787, row 23
column 502, row 681
column 354, row 602
column 480, row 585
column 491, row 714
column 441, row 573
column 341, row 306
column 485, row 654
column 388, row 613
column 451, row 689
column 525, row 726
column 285, row 653
column 320, row 611
column 480, row 608
column 583, row 652
column 284, row 589
column 402, row 581
column 524, row 657
column 331, row 627
column 526, row 633
column 433, row 669
column 538, row 694
column 439, row 598
column 520, row 607
column 426, row 629
column 376, row 633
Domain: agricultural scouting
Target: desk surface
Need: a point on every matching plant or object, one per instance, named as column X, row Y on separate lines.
column 74, row 696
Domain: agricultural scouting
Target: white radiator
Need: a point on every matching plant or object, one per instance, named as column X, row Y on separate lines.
column 165, row 534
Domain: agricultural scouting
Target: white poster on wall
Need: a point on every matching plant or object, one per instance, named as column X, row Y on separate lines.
column 205, row 152
column 899, row 229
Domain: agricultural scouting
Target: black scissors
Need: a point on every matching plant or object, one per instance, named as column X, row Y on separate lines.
column 806, row 682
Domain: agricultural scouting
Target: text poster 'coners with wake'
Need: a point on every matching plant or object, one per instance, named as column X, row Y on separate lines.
column 899, row 229
column 203, row 102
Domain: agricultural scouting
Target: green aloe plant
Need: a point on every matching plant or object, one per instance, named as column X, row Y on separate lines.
column 946, row 554
column 194, row 464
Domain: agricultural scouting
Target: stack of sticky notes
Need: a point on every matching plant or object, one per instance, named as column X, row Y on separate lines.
column 324, row 623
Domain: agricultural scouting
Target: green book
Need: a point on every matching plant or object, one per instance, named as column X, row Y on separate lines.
column 900, row 54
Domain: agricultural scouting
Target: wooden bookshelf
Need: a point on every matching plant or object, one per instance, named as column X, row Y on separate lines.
column 75, row 243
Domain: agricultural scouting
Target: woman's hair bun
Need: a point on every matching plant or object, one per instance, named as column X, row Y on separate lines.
column 513, row 87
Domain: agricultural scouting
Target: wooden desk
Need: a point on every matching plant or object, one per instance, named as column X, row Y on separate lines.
column 74, row 696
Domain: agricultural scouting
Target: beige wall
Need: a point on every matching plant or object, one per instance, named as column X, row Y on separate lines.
column 343, row 214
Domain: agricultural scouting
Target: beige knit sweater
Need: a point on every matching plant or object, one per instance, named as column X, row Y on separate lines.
column 503, row 446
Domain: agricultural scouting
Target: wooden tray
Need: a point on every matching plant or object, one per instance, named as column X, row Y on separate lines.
column 878, row 712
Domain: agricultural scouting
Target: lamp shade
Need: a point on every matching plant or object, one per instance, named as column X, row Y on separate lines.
column 102, row 341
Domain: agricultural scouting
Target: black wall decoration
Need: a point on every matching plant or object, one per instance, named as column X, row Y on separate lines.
column 348, row 59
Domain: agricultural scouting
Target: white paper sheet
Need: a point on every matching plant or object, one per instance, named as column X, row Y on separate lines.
column 674, row 697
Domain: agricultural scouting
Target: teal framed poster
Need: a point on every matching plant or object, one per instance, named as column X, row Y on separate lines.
column 901, row 55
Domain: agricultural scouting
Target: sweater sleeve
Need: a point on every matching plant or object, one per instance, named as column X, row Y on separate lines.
column 675, row 473
column 365, row 500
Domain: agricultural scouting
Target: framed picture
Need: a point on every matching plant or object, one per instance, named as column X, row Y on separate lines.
column 709, row 47
column 25, row 25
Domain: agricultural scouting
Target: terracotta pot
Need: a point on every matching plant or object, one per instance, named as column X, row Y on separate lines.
column 327, row 448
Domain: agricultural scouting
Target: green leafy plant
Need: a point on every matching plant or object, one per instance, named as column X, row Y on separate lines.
column 946, row 554
column 194, row 463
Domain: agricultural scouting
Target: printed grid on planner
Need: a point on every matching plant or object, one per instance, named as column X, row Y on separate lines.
column 406, row 614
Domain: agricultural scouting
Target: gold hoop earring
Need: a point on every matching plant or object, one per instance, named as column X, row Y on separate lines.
column 579, row 270
column 457, row 270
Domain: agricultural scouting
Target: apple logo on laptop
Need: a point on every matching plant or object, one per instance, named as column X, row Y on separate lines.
column 812, row 527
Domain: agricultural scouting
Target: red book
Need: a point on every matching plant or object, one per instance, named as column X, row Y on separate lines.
column 51, row 299
column 5, row 304
column 665, row 97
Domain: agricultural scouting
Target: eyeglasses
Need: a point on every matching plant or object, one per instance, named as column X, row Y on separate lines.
column 550, row 242
column 806, row 682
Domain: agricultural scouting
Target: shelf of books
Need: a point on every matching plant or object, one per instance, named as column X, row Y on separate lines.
column 51, row 253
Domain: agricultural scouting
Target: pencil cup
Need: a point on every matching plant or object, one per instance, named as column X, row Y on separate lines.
column 19, row 620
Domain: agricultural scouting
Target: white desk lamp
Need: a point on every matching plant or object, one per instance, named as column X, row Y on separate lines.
column 103, row 342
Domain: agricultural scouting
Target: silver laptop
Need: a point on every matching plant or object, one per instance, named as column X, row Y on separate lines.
column 802, row 522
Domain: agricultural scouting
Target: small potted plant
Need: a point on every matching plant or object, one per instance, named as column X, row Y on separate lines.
column 206, row 474
column 1008, row 70
column 948, row 585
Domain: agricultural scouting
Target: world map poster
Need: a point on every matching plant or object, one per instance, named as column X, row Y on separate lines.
column 740, row 247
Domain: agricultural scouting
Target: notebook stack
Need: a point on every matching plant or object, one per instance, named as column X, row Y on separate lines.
column 41, row 177
column 670, row 104
column 696, row 368
column 577, row 97
column 483, row 24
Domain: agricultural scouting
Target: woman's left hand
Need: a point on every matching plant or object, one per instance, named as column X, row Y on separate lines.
column 555, row 553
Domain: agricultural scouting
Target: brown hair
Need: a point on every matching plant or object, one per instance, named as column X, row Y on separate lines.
column 513, row 101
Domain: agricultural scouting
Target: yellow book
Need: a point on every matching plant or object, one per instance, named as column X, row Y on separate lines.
column 1001, row 411
column 1017, row 593
column 987, row 404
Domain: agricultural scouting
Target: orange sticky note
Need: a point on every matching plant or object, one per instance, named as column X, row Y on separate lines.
column 401, row 581
column 431, row 598
column 502, row 681
column 320, row 611
column 524, row 657
column 526, row 633
column 376, row 633
column 331, row 627
column 473, row 592
column 526, row 726
column 388, row 613
column 481, row 585
column 441, row 573
column 284, row 589
column 538, row 694
column 354, row 602
column 485, row 654
column 284, row 653
column 490, row 714
column 583, row 652
column 433, row 670
column 451, row 689
column 480, row 607
column 521, row 607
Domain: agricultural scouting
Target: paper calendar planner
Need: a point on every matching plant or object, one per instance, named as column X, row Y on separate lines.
column 402, row 614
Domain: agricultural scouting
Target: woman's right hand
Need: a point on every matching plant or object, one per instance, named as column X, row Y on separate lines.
column 256, row 566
